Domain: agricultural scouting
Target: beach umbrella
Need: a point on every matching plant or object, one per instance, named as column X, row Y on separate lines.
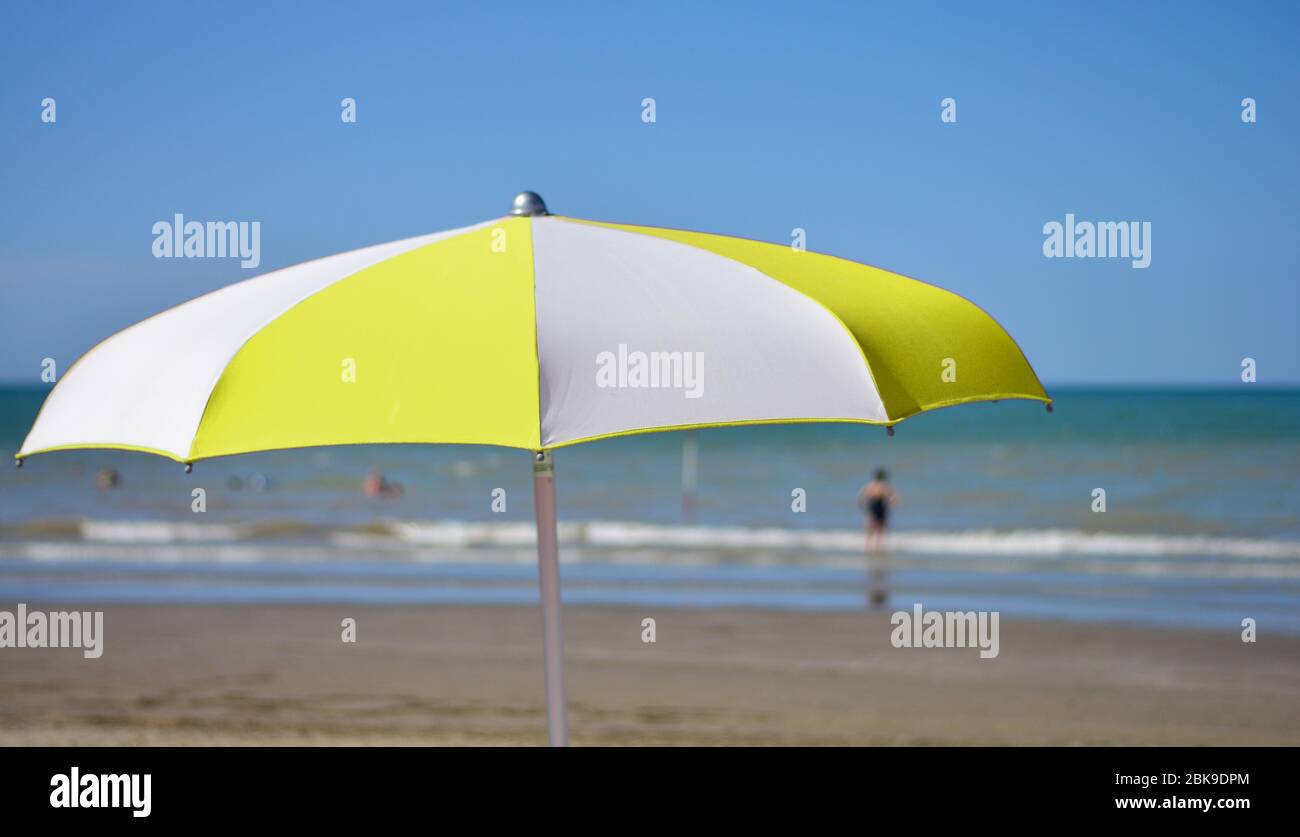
column 531, row 331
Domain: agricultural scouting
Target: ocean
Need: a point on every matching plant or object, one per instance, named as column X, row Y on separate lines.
column 1200, row 528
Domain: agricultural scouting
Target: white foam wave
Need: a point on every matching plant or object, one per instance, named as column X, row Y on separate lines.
column 1018, row 543
column 615, row 535
column 158, row 531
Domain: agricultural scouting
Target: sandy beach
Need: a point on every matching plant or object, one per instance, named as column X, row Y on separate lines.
column 175, row 675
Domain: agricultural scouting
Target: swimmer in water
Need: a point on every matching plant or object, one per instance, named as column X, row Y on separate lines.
column 107, row 479
column 377, row 485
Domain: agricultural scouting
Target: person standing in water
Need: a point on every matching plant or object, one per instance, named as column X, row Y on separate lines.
column 876, row 499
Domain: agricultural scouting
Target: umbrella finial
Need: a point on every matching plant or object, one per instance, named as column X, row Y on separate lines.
column 528, row 203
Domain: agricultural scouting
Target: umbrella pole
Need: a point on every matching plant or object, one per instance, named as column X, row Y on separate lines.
column 548, row 573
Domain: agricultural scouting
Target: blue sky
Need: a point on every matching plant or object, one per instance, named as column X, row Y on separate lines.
column 769, row 117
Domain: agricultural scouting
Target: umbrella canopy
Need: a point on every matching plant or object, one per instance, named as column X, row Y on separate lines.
column 531, row 331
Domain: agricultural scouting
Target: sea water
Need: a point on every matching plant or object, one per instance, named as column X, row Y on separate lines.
column 1200, row 528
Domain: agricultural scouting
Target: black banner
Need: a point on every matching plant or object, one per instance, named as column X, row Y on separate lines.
column 331, row 785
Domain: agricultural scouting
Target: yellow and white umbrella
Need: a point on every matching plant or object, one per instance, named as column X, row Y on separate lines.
column 531, row 331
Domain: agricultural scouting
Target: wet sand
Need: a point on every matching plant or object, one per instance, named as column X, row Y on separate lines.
column 472, row 675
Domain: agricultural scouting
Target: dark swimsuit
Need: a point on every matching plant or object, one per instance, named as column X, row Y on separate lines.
column 878, row 510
